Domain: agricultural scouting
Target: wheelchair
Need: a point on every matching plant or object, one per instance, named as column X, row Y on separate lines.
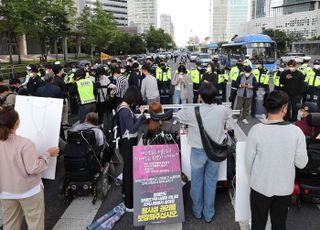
column 89, row 170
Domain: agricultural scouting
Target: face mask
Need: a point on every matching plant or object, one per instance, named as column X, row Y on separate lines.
column 199, row 68
column 208, row 70
column 292, row 69
column 74, row 70
column 316, row 66
column 47, row 71
column 300, row 115
column 247, row 74
column 281, row 69
column 123, row 70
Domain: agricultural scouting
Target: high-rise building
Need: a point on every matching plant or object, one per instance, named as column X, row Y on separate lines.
column 142, row 13
column 166, row 24
column 118, row 8
column 226, row 17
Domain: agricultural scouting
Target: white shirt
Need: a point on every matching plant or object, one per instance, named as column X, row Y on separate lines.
column 10, row 196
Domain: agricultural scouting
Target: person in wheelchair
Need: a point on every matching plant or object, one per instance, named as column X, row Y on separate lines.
column 159, row 128
column 304, row 111
column 91, row 123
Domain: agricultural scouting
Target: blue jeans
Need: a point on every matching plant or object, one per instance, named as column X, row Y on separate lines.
column 177, row 98
column 204, row 176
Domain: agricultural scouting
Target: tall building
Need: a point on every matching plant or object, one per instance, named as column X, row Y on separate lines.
column 142, row 13
column 294, row 17
column 226, row 17
column 166, row 24
column 118, row 8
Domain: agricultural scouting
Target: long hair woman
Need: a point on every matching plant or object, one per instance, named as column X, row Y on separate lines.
column 129, row 126
column 21, row 188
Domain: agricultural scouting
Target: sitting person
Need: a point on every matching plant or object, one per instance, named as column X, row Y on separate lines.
column 305, row 109
column 156, row 126
column 91, row 123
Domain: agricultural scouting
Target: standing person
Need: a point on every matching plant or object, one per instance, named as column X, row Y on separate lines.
column 312, row 93
column 17, row 87
column 233, row 76
column 204, row 172
column 84, row 89
column 121, row 84
column 49, row 89
column 180, row 82
column 196, row 76
column 34, row 81
column 129, row 126
column 21, row 188
column 293, row 82
column 163, row 75
column 134, row 76
column 276, row 77
column 246, row 86
column 149, row 86
column 210, row 75
column 273, row 151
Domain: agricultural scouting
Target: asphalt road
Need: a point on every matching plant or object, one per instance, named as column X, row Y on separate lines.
column 305, row 218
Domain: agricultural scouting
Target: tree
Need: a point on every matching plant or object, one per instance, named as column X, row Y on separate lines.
column 157, row 38
column 96, row 27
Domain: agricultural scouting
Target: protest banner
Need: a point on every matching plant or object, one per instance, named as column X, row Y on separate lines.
column 40, row 120
column 157, row 185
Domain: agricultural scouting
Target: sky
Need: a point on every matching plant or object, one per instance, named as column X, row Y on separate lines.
column 189, row 17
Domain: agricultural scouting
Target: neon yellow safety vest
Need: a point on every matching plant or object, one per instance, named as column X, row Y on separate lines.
column 163, row 76
column 88, row 75
column 276, row 80
column 309, row 72
column 85, row 91
column 303, row 69
column 234, row 73
column 263, row 79
column 69, row 78
column 195, row 76
column 222, row 77
column 313, row 80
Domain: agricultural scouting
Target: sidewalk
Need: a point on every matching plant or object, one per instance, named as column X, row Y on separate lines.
column 36, row 57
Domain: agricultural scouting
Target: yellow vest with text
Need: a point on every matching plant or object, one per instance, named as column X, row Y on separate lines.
column 234, row 73
column 313, row 80
column 163, row 76
column 264, row 78
column 276, row 80
column 86, row 91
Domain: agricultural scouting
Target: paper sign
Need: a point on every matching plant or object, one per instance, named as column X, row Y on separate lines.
column 40, row 120
column 157, row 185
column 185, row 160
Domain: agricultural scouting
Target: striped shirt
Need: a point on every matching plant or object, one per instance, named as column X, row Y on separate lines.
column 122, row 86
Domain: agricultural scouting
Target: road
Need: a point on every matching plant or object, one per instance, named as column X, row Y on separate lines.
column 81, row 212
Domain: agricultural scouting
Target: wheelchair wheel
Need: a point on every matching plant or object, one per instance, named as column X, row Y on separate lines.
column 103, row 183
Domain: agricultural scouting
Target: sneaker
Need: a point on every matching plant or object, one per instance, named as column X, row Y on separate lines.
column 129, row 209
column 245, row 121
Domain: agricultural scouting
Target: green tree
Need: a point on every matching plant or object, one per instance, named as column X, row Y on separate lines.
column 279, row 37
column 157, row 38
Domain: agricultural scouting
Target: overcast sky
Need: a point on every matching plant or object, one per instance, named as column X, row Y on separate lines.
column 187, row 16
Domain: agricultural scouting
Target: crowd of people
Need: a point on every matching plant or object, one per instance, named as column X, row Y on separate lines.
column 93, row 92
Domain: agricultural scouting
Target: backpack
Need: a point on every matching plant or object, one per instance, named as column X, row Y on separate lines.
column 115, row 130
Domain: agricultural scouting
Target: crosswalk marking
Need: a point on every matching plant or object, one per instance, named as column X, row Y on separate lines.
column 78, row 215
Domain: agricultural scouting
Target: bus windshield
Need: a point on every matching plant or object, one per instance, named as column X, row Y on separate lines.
column 261, row 52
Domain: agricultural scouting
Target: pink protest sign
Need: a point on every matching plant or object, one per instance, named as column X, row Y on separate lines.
column 155, row 160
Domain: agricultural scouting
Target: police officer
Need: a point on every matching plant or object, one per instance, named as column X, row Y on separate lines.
column 247, row 61
column 312, row 93
column 34, row 81
column 85, row 92
column 196, row 76
column 304, row 67
column 276, row 77
column 233, row 76
column 163, row 76
column 153, row 66
column 222, row 83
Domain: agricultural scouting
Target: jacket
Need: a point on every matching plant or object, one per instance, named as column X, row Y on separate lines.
column 293, row 83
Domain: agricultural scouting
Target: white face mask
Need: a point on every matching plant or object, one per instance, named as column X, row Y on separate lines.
column 292, row 69
column 123, row 70
column 74, row 70
column 208, row 70
column 316, row 66
column 247, row 74
column 281, row 69
column 300, row 115
column 47, row 71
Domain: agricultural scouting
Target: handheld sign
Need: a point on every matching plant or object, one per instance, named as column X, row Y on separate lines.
column 40, row 119
column 157, row 185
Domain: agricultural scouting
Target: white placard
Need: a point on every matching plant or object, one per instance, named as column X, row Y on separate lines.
column 185, row 160
column 40, row 120
column 242, row 200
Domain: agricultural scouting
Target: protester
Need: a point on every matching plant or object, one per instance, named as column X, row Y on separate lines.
column 7, row 97
column 293, row 85
column 17, row 87
column 134, row 76
column 181, row 82
column 49, row 89
column 34, row 81
column 210, row 75
column 129, row 126
column 304, row 111
column 204, row 172
column 121, row 84
column 21, row 189
column 149, row 86
column 273, row 151
column 246, row 84
column 91, row 122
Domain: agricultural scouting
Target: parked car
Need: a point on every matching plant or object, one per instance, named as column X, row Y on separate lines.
column 298, row 57
column 203, row 59
column 193, row 56
column 162, row 55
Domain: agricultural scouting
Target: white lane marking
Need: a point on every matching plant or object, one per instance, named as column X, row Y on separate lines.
column 78, row 215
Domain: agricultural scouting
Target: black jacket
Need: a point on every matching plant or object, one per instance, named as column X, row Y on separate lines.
column 50, row 90
column 33, row 84
column 294, row 86
column 212, row 78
